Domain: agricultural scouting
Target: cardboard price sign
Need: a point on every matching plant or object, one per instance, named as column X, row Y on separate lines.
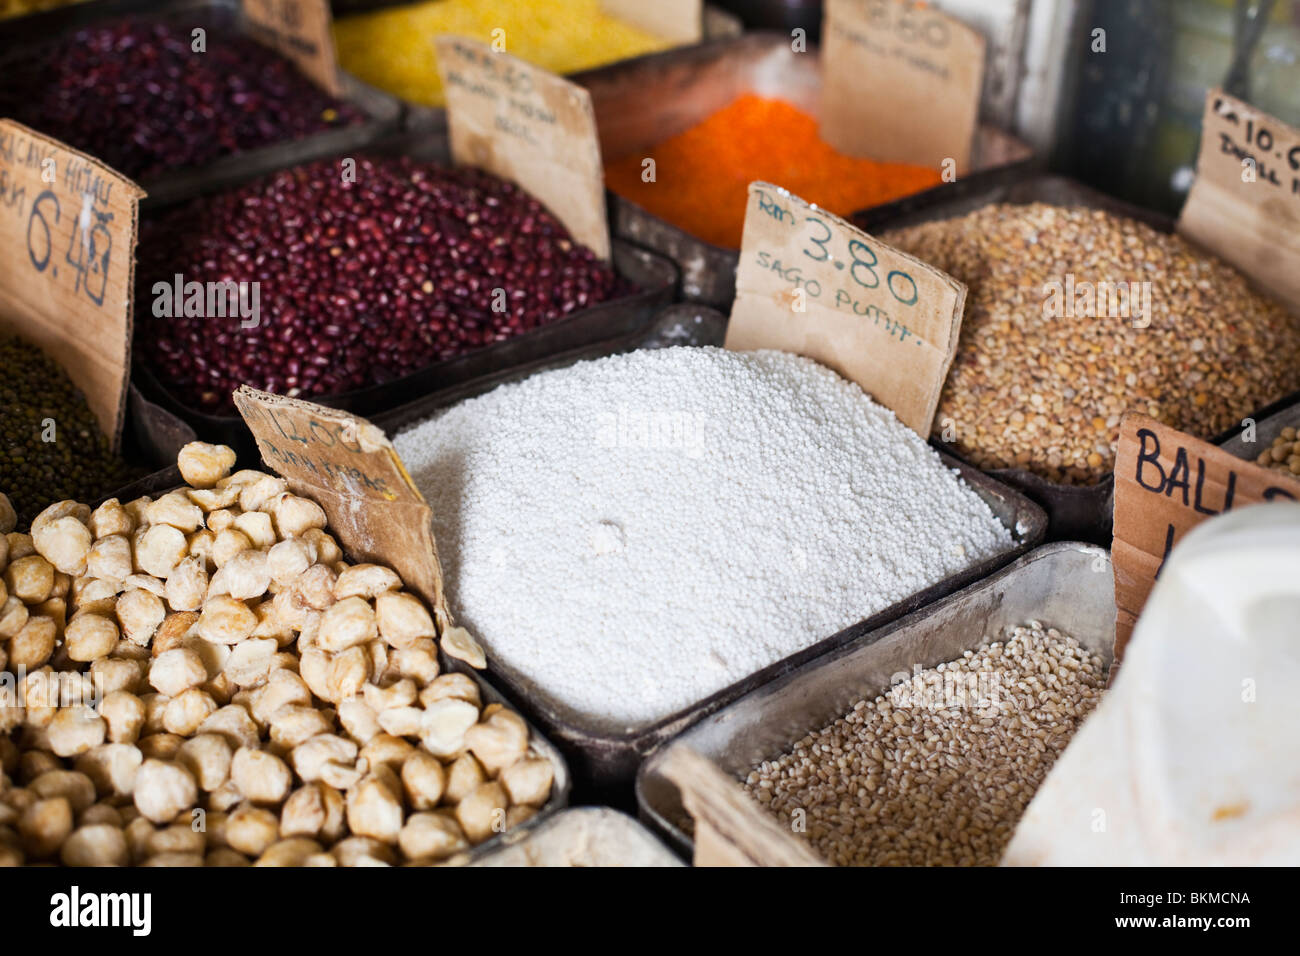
column 67, row 238
column 301, row 31
column 679, row 20
column 901, row 82
column 1166, row 483
column 810, row 283
column 529, row 126
column 350, row 468
column 1245, row 203
column 730, row 828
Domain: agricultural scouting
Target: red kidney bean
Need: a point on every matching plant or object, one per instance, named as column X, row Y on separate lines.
column 422, row 290
column 137, row 96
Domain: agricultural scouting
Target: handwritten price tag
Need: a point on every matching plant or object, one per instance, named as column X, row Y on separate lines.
column 350, row 468
column 901, row 82
column 67, row 238
column 529, row 126
column 1245, row 203
column 1166, row 483
column 301, row 31
column 810, row 283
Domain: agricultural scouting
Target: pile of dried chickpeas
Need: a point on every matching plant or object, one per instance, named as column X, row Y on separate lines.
column 202, row 678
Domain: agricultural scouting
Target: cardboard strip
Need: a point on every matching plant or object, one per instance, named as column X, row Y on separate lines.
column 1166, row 483
column 350, row 468
column 524, row 124
column 901, row 82
column 810, row 283
column 1245, row 203
column 301, row 31
column 67, row 238
column 679, row 20
column 730, row 828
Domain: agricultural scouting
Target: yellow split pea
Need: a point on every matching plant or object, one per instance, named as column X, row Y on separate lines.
column 393, row 48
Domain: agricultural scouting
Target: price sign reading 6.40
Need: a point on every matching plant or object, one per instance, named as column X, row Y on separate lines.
column 67, row 231
column 810, row 283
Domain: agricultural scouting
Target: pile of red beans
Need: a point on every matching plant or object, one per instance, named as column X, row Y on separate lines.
column 140, row 97
column 367, row 270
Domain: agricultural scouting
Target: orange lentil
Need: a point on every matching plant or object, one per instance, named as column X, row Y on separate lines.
column 702, row 175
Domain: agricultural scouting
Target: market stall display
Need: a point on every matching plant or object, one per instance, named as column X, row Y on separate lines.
column 209, row 655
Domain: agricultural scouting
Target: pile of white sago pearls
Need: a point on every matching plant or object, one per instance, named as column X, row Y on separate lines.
column 629, row 535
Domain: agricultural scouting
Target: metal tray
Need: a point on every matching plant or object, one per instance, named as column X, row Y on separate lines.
column 1075, row 512
column 384, row 111
column 644, row 101
column 169, row 478
column 653, row 275
column 604, row 763
column 1067, row 585
column 611, row 838
column 1269, row 422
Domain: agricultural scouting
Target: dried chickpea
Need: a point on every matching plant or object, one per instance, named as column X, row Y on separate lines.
column 288, row 559
column 423, row 780
column 313, row 759
column 140, row 612
column 176, row 509
column 431, row 836
column 186, row 712
column 349, row 622
column 225, row 620
column 124, row 714
column 44, row 825
column 314, row 810
column 203, row 465
column 260, row 776
column 456, row 642
column 363, row 851
column 244, row 575
column 160, row 746
column 110, row 519
column 482, row 813
column 296, row 851
column 8, row 517
column 257, row 492
column 33, row 644
column 374, row 810
column 282, row 689
column 295, row 516
column 112, row 767
column 163, row 789
column 20, row 545
column 256, row 526
column 348, row 672
column 222, row 519
column 74, row 730
column 111, row 673
column 186, row 860
column 207, row 757
column 315, row 587
column 159, row 549
column 225, row 857
column 199, row 545
column 177, row 838
column 385, row 750
column 402, row 721
column 499, row 741
column 235, row 724
column 292, row 725
column 250, row 830
column 89, row 637
column 444, row 725
column 463, row 776
column 187, row 585
column 358, row 719
column 77, row 787
column 146, row 582
column 30, row 579
column 213, row 499
column 451, row 686
column 95, row 844
column 176, row 671
column 13, row 616
column 528, row 781
column 100, row 813
column 403, row 619
column 367, row 581
column 110, row 558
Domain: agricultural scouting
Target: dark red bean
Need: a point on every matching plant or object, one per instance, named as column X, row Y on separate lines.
column 328, row 325
column 135, row 95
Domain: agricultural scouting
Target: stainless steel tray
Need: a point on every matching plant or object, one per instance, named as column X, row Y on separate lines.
column 384, row 111
column 581, row 836
column 644, row 101
column 1269, row 422
column 605, row 763
column 1067, row 585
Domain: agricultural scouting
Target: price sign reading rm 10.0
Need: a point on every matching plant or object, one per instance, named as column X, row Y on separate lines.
column 810, row 283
